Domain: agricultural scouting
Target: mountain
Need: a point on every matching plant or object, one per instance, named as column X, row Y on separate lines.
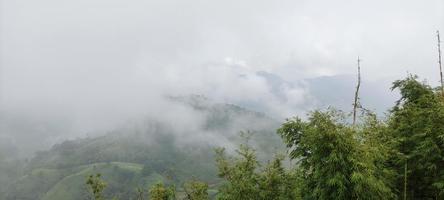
column 337, row 90
column 144, row 152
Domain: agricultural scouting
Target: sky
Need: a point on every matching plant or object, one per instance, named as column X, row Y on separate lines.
column 98, row 62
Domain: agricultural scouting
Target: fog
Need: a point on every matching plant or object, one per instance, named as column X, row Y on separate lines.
column 76, row 68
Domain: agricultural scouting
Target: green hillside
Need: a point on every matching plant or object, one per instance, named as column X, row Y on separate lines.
column 140, row 155
column 121, row 177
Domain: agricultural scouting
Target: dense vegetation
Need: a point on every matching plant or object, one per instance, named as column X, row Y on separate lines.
column 400, row 156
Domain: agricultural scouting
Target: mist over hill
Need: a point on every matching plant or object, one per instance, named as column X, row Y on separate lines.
column 26, row 132
column 336, row 90
column 174, row 148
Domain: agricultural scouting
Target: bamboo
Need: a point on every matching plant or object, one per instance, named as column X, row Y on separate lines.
column 440, row 63
column 355, row 104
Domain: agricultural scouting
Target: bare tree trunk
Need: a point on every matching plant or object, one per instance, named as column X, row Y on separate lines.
column 439, row 62
column 355, row 104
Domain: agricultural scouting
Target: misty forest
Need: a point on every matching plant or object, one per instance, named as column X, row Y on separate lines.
column 223, row 100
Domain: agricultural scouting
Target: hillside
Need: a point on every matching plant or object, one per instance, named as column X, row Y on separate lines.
column 143, row 153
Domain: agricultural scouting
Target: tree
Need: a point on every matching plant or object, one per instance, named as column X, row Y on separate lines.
column 276, row 183
column 440, row 63
column 356, row 101
column 333, row 161
column 417, row 130
column 239, row 174
column 245, row 179
column 160, row 192
column 196, row 190
column 96, row 186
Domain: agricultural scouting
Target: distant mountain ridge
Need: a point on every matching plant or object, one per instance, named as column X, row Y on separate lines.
column 337, row 91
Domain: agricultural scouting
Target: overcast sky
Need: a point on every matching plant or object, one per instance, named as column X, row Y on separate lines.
column 101, row 58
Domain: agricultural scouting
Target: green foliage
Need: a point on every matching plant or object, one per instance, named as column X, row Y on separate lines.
column 276, row 183
column 245, row 180
column 417, row 130
column 161, row 192
column 239, row 174
column 333, row 160
column 376, row 150
column 196, row 190
column 121, row 179
column 96, row 186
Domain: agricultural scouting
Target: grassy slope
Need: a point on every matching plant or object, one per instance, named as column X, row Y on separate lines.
column 60, row 173
column 71, row 186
